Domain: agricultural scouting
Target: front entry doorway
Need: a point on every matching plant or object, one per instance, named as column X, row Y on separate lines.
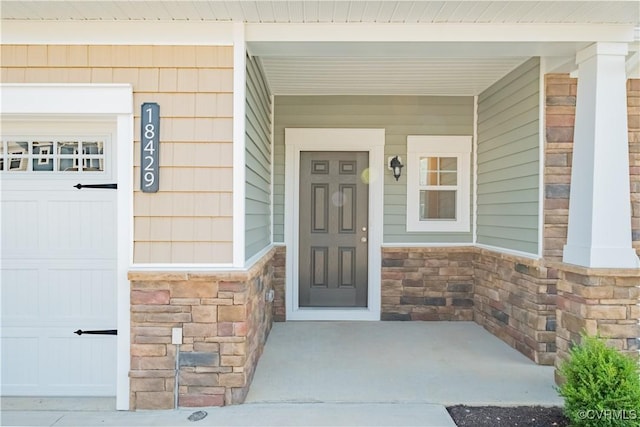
column 333, row 229
column 333, row 216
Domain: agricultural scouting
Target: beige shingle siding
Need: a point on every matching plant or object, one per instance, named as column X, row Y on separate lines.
column 190, row 219
column 508, row 160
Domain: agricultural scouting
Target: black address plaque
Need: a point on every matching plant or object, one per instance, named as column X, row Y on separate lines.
column 150, row 147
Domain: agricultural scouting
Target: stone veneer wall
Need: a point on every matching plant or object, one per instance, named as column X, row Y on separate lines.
column 427, row 283
column 598, row 301
column 279, row 283
column 225, row 320
column 515, row 299
column 633, row 118
column 512, row 297
column 560, row 111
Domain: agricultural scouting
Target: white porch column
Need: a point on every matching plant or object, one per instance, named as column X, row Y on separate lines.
column 599, row 234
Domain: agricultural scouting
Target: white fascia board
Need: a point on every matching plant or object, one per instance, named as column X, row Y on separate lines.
column 117, row 32
column 316, row 32
column 66, row 99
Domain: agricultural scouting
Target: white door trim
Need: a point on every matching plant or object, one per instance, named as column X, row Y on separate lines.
column 86, row 102
column 308, row 139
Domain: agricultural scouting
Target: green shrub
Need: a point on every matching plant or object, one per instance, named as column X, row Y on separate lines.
column 602, row 386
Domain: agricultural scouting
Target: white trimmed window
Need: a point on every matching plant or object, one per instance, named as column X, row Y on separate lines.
column 438, row 183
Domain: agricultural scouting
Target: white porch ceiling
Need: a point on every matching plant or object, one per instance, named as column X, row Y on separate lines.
column 395, row 76
column 325, row 11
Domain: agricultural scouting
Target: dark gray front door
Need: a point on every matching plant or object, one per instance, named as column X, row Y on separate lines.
column 334, row 200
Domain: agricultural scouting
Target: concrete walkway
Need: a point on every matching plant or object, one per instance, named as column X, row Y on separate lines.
column 343, row 374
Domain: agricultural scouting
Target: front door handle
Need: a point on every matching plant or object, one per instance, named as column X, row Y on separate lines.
column 363, row 239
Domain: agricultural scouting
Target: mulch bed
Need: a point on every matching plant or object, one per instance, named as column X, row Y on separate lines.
column 495, row 416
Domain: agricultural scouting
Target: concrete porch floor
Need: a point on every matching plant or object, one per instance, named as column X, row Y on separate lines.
column 342, row 374
column 444, row 363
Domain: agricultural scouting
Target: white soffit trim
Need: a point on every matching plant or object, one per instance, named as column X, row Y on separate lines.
column 117, row 32
column 445, row 32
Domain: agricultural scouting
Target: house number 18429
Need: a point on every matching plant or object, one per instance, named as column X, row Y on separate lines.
column 150, row 147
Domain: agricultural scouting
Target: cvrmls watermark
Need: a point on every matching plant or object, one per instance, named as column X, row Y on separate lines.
column 609, row 414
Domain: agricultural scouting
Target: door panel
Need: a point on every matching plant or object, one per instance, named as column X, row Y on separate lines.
column 58, row 275
column 333, row 249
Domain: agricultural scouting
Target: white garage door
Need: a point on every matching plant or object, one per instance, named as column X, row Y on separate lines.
column 58, row 265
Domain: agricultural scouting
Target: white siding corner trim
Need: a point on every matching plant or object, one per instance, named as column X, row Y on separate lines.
column 306, row 139
column 239, row 146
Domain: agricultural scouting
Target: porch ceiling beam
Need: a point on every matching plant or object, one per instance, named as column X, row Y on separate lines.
column 386, row 49
column 458, row 32
column 206, row 33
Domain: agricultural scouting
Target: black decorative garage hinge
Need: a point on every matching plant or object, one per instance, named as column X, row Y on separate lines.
column 104, row 186
column 102, row 332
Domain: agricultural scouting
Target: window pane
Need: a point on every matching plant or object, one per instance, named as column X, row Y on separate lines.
column 92, row 165
column 92, row 148
column 43, row 148
column 68, row 148
column 93, row 156
column 68, row 152
column 17, row 164
column 436, row 204
column 448, row 164
column 448, row 178
column 18, row 153
column 438, row 171
column 43, row 165
column 43, row 156
column 424, row 167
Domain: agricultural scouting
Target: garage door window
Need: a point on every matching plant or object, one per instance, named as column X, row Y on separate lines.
column 65, row 156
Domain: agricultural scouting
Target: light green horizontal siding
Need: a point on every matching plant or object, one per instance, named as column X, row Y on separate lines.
column 509, row 160
column 258, row 162
column 399, row 116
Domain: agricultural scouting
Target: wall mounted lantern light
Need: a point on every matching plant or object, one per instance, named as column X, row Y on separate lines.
column 395, row 164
